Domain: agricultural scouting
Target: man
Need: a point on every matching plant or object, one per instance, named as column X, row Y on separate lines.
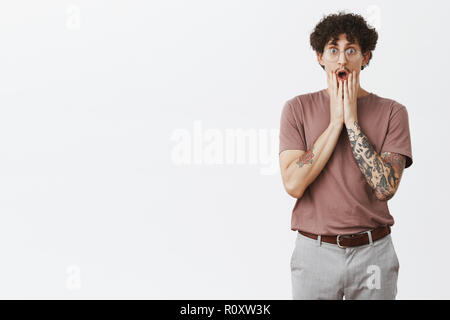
column 342, row 154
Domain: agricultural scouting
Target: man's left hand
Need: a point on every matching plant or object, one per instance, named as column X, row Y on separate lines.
column 351, row 87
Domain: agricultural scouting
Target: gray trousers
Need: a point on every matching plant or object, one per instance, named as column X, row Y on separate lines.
column 323, row 271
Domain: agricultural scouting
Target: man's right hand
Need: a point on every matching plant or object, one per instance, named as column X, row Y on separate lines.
column 335, row 91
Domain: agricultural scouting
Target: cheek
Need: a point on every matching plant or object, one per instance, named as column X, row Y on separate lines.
column 328, row 66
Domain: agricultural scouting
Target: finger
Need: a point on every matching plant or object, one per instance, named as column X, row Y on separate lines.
column 350, row 84
column 333, row 81
column 339, row 90
column 355, row 88
column 338, row 84
column 345, row 90
column 329, row 80
column 337, row 80
column 357, row 81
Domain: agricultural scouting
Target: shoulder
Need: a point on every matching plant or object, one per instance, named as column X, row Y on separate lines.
column 305, row 99
column 296, row 106
column 390, row 105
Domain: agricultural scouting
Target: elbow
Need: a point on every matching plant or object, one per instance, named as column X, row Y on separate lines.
column 381, row 198
column 296, row 195
column 385, row 196
column 295, row 191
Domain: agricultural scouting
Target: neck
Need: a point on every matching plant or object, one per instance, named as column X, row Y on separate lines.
column 362, row 92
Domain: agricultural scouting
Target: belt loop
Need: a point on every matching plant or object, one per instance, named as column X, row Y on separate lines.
column 319, row 240
column 369, row 233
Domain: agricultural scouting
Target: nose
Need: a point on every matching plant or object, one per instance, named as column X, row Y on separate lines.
column 342, row 58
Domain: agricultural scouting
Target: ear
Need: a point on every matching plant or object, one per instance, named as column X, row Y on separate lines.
column 366, row 58
column 319, row 58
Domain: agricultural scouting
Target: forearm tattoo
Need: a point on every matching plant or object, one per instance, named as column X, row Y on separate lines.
column 306, row 158
column 379, row 173
column 397, row 164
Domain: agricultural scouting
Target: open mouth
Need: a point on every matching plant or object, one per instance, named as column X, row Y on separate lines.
column 342, row 75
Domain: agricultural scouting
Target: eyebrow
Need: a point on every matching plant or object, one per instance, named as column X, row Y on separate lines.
column 347, row 45
column 334, row 42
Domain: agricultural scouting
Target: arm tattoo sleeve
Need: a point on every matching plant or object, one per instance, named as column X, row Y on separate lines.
column 379, row 173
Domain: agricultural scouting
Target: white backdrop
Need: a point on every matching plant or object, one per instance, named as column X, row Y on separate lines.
column 139, row 144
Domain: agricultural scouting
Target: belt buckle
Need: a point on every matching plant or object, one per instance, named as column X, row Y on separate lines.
column 337, row 240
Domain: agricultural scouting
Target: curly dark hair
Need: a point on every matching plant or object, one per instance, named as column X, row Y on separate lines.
column 353, row 25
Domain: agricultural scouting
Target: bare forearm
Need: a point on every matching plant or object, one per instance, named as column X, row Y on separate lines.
column 379, row 175
column 304, row 170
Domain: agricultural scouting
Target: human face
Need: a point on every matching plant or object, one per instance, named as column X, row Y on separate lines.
column 349, row 57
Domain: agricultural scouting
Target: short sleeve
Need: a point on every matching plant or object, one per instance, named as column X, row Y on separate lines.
column 291, row 130
column 398, row 138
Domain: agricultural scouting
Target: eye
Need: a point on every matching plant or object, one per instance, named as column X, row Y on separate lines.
column 333, row 50
column 351, row 50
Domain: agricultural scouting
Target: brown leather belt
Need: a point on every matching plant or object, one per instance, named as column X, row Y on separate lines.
column 352, row 240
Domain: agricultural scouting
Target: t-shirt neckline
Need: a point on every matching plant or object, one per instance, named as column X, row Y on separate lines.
column 325, row 92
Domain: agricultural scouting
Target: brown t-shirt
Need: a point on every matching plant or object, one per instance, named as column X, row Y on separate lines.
column 339, row 200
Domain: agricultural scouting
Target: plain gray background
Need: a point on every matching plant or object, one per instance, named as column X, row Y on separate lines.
column 139, row 144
